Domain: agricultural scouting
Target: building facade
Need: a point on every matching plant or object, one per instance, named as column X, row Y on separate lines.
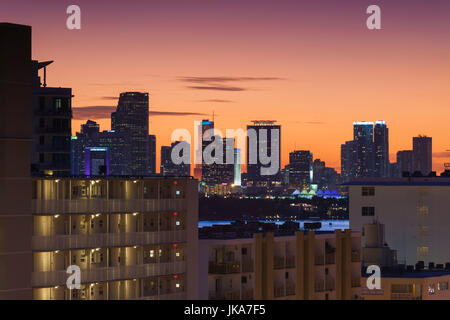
column 132, row 239
column 168, row 168
column 422, row 155
column 300, row 169
column 304, row 266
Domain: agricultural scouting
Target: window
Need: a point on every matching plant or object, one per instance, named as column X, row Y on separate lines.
column 244, row 279
column 443, row 285
column 244, row 251
column 368, row 191
column 58, row 104
column 368, row 211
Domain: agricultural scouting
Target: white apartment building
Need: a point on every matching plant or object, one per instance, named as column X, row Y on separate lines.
column 304, row 266
column 415, row 212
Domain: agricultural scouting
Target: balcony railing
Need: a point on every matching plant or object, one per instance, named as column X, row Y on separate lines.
column 278, row 291
column 247, row 266
column 56, row 278
column 290, row 262
column 227, row 295
column 356, row 256
column 278, row 263
column 404, row 296
column 100, row 240
column 247, row 294
column 330, row 258
column 290, row 289
column 225, row 267
column 319, row 260
column 330, row 285
column 356, row 282
column 319, row 286
column 88, row 206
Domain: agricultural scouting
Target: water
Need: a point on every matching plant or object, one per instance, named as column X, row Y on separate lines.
column 327, row 225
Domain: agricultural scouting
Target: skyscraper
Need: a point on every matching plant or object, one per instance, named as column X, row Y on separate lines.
column 168, row 168
column 405, row 162
column 131, row 120
column 51, row 125
column 363, row 136
column 263, row 143
column 152, row 154
column 300, row 169
column 349, row 160
column 205, row 133
column 422, row 154
column 381, row 146
column 237, row 167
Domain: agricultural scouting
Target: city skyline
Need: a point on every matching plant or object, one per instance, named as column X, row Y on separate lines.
column 321, row 65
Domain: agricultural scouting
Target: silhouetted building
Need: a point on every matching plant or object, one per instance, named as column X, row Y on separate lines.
column 51, row 125
column 349, row 160
column 131, row 120
column 152, row 154
column 381, row 146
column 404, row 162
column 324, row 177
column 363, row 136
column 300, row 169
column 422, row 154
column 168, row 167
column 264, row 144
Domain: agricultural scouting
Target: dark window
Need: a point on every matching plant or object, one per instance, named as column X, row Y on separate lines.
column 368, row 211
column 41, row 140
column 243, row 279
column 41, row 103
column 41, row 157
column 244, row 251
column 41, row 123
column 286, row 275
column 368, row 191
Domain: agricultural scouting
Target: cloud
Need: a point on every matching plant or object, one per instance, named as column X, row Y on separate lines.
column 104, row 112
column 217, row 101
column 109, row 98
column 444, row 154
column 218, row 83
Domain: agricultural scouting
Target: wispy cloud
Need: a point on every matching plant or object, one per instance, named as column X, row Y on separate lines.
column 104, row 112
column 217, row 101
column 442, row 154
column 221, row 83
column 109, row 98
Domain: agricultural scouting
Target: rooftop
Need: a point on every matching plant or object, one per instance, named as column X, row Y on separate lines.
column 407, row 181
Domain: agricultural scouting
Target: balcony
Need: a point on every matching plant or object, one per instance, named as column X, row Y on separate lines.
column 356, row 256
column 319, row 286
column 290, row 262
column 57, row 278
column 166, row 296
column 225, row 267
column 330, row 258
column 247, row 266
column 227, row 295
column 404, row 296
column 247, row 294
column 330, row 285
column 278, row 263
column 88, row 206
column 101, row 240
column 319, row 260
column 278, row 291
column 290, row 289
column 356, row 282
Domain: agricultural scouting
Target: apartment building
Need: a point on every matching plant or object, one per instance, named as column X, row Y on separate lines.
column 414, row 210
column 304, row 266
column 131, row 238
column 414, row 285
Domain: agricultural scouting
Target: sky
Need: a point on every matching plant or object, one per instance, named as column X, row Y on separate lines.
column 313, row 66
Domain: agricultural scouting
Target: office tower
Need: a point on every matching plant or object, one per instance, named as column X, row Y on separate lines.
column 264, row 129
column 414, row 211
column 51, row 125
column 220, row 172
column 132, row 238
column 422, row 154
column 300, row 169
column 363, row 136
column 405, row 162
column 303, row 266
column 152, row 154
column 323, row 176
column 381, row 149
column 90, row 136
column 15, row 146
column 168, row 168
column 96, row 161
column 131, row 120
column 349, row 160
column 205, row 133
column 237, row 167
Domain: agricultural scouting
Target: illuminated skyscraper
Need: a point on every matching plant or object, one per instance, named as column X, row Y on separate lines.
column 300, row 169
column 381, row 146
column 363, row 136
column 131, row 120
column 237, row 167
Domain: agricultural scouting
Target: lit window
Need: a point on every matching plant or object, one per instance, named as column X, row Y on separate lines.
column 178, row 192
column 152, row 253
column 177, row 254
column 177, row 223
column 177, row 285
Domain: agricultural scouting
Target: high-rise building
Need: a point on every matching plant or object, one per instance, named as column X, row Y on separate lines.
column 152, row 154
column 205, row 134
column 131, row 120
column 304, row 266
column 96, row 161
column 349, row 160
column 267, row 141
column 51, row 125
column 300, row 169
column 221, row 171
column 237, row 167
column 324, row 177
column 405, row 162
column 168, row 168
column 15, row 145
column 363, row 136
column 381, row 148
column 422, row 154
